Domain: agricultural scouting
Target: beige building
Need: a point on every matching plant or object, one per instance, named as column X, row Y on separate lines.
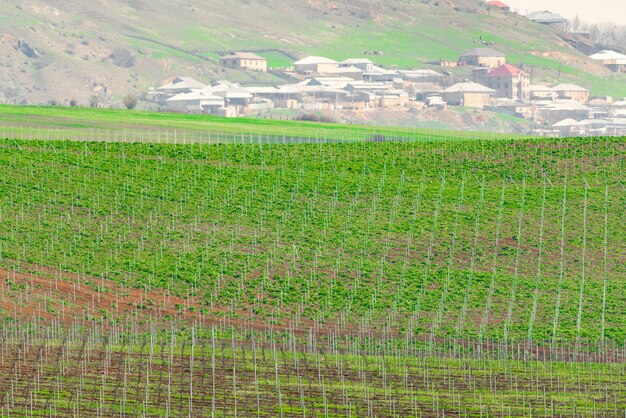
column 509, row 82
column 483, row 57
column 540, row 92
column 572, row 92
column 362, row 63
column 245, row 61
column 196, row 101
column 546, row 17
column 468, row 95
column 556, row 111
column 320, row 65
column 394, row 98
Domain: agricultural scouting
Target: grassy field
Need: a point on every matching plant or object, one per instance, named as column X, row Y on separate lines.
column 429, row 275
column 49, row 122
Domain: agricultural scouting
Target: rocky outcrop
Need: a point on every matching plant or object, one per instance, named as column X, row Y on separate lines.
column 26, row 49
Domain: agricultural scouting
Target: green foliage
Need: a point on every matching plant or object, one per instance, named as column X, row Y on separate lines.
column 441, row 237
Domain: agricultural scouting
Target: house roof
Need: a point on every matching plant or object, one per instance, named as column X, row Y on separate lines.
column 498, row 4
column 234, row 93
column 599, row 103
column 262, row 90
column 352, row 61
column 393, row 93
column 194, row 96
column 540, row 88
column 468, row 88
column 365, row 85
column 566, row 122
column 506, row 70
column 346, row 70
column 618, row 121
column 182, row 83
column 315, row 60
column 546, row 16
column 607, row 55
column 243, row 55
column 222, row 86
column 420, row 73
column 329, row 81
column 380, row 70
column 428, row 87
column 306, row 89
column 482, row 52
column 569, row 87
column 567, row 105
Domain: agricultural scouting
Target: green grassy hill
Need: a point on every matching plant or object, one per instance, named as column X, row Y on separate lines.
column 74, row 41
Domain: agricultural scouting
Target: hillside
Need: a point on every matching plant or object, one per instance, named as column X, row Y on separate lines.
column 76, row 49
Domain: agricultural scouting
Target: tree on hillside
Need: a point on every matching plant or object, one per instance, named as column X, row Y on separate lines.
column 130, row 100
column 94, row 101
column 605, row 35
column 123, row 57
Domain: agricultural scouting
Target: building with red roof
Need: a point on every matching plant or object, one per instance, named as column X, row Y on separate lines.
column 509, row 82
column 505, row 70
column 499, row 5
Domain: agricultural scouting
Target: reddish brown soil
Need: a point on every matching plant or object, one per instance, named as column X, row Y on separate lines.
column 47, row 294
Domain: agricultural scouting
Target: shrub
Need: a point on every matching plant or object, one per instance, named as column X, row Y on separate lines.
column 123, row 57
column 94, row 101
column 311, row 117
column 130, row 100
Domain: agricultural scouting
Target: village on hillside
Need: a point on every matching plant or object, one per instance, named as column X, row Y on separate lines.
column 321, row 84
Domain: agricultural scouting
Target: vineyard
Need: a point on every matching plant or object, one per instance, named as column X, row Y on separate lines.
column 355, row 274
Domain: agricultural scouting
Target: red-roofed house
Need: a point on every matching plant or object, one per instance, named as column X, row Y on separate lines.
column 499, row 5
column 508, row 81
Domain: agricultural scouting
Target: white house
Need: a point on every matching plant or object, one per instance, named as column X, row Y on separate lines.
column 176, row 86
column 361, row 63
column 611, row 59
column 196, row 101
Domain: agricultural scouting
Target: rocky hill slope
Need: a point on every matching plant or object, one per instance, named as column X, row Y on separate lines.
column 72, row 49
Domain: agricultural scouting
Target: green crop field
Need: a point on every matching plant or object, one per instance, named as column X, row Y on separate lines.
column 402, row 274
column 78, row 123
